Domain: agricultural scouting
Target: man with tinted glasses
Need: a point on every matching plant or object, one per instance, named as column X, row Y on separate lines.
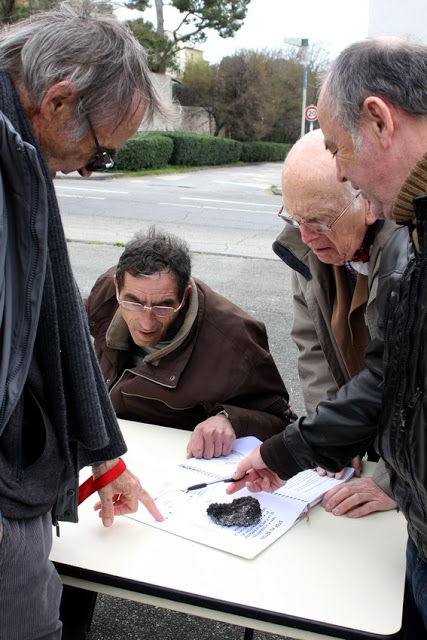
column 333, row 244
column 174, row 352
column 74, row 85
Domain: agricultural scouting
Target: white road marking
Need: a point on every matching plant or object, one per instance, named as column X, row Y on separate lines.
column 242, row 184
column 249, row 204
column 65, row 195
column 201, row 206
column 94, row 190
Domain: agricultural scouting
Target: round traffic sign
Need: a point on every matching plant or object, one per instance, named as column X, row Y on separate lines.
column 311, row 113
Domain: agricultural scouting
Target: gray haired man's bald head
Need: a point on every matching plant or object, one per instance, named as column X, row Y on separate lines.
column 389, row 68
column 97, row 54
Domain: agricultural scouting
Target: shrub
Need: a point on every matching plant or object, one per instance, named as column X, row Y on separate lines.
column 143, row 151
column 192, row 149
column 154, row 150
column 264, row 151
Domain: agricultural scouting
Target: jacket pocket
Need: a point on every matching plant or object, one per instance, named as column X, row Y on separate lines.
column 40, row 463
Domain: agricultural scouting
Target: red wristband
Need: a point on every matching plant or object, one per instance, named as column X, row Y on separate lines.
column 91, row 484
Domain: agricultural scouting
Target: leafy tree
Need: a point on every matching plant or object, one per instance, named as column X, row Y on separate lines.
column 251, row 95
column 248, row 96
column 161, row 50
column 201, row 86
column 235, row 93
column 224, row 16
column 14, row 10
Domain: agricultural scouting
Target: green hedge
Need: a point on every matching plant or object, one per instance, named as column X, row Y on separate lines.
column 195, row 150
column 142, row 151
column 145, row 150
column 264, row 151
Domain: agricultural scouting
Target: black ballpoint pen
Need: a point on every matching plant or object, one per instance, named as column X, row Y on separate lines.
column 202, row 485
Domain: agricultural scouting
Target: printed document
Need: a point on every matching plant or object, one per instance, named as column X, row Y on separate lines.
column 185, row 511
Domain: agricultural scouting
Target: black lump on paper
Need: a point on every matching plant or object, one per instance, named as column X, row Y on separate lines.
column 242, row 512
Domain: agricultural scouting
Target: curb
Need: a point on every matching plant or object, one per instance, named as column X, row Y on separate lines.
column 95, row 176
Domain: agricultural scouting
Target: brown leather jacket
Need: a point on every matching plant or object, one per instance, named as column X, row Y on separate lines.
column 218, row 360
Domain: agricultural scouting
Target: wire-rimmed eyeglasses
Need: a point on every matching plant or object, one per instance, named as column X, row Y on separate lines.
column 318, row 227
column 157, row 310
column 102, row 160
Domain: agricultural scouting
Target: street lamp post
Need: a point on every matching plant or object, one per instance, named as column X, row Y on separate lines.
column 302, row 42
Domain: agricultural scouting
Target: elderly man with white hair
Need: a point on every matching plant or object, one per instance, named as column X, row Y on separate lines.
column 333, row 244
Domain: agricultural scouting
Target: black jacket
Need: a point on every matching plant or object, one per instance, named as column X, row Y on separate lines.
column 389, row 392
column 55, row 414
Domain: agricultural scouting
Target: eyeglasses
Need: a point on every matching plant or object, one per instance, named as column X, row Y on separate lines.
column 318, row 227
column 158, row 311
column 102, row 160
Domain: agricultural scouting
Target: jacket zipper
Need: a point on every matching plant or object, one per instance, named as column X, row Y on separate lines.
column 27, row 306
column 418, row 391
column 389, row 334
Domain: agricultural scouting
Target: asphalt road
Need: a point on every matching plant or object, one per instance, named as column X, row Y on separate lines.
column 226, row 210
column 230, row 224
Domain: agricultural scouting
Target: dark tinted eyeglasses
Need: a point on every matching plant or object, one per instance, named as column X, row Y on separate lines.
column 102, row 160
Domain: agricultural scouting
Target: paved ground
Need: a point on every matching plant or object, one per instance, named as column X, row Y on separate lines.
column 117, row 619
column 223, row 210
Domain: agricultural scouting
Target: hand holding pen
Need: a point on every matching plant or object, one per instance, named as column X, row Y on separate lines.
column 202, row 485
column 261, row 478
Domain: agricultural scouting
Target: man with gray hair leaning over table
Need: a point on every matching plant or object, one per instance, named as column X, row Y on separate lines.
column 333, row 244
column 373, row 114
column 74, row 86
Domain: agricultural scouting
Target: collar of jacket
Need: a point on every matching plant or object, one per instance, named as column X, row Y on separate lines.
column 296, row 254
column 292, row 250
column 117, row 336
column 419, row 235
column 415, row 185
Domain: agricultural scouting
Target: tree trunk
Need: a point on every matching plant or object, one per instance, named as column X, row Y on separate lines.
column 7, row 10
column 160, row 20
column 219, row 126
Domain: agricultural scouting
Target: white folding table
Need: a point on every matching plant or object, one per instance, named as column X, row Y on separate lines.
column 327, row 577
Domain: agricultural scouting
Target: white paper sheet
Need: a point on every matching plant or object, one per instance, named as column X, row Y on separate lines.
column 185, row 511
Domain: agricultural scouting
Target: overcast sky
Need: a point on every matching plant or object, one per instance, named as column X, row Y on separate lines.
column 334, row 23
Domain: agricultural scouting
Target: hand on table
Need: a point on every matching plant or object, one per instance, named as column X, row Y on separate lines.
column 356, row 464
column 254, row 475
column 211, row 438
column 121, row 496
column 357, row 499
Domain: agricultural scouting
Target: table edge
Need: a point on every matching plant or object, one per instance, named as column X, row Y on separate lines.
column 214, row 604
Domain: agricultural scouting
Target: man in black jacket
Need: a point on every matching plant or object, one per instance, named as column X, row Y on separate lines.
column 373, row 113
column 74, row 85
